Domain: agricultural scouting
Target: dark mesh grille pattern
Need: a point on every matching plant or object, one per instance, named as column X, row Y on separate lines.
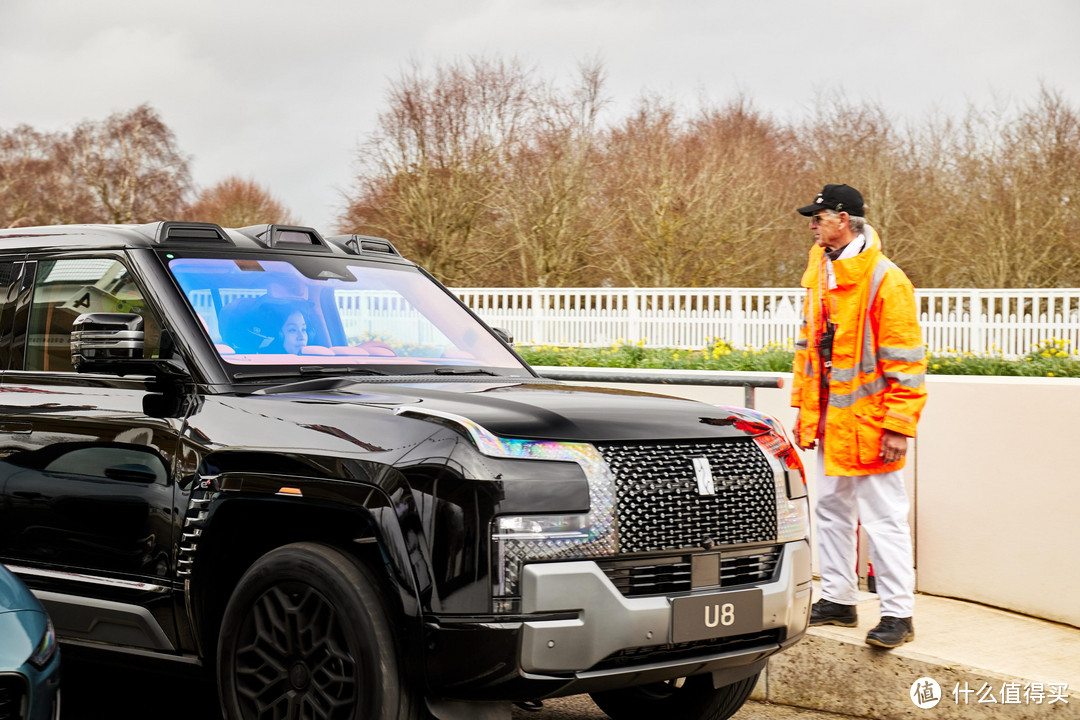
column 748, row 568
column 661, row 576
column 649, row 577
column 658, row 506
column 12, row 688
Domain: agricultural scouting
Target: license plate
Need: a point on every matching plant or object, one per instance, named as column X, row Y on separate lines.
column 701, row 617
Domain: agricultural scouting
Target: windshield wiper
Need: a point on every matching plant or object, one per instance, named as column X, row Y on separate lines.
column 308, row 370
column 338, row 370
column 264, row 375
column 462, row 371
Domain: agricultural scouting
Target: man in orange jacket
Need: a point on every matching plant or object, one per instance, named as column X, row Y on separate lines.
column 860, row 367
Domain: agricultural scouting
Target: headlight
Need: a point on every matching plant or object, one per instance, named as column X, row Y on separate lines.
column 516, row 540
column 522, row 538
column 46, row 648
column 792, row 516
column 792, row 508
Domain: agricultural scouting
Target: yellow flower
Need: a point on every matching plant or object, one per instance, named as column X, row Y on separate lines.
column 1049, row 374
column 936, row 366
column 1044, row 354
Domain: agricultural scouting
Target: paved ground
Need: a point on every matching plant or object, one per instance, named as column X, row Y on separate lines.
column 101, row 693
column 987, row 663
column 580, row 707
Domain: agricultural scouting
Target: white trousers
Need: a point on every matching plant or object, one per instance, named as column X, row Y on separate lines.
column 881, row 504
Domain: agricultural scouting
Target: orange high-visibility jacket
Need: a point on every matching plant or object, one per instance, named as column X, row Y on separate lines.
column 877, row 381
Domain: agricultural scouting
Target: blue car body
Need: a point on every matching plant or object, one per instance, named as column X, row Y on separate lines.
column 29, row 658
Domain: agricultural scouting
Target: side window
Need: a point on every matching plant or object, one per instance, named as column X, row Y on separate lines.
column 10, row 271
column 65, row 289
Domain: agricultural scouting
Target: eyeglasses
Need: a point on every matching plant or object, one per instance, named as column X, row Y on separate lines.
column 815, row 219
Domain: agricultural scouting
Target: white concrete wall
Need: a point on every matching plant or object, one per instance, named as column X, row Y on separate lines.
column 995, row 485
column 998, row 493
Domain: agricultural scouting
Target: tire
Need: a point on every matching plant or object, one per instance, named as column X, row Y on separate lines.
column 694, row 698
column 306, row 634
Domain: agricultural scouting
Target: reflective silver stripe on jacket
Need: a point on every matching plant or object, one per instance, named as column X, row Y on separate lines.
column 905, row 354
column 844, row 400
column 914, row 381
column 869, row 360
column 843, row 374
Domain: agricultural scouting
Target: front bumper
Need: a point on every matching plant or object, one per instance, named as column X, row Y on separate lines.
column 607, row 622
column 600, row 639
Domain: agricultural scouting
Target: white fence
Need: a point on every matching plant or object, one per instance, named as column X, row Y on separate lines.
column 1003, row 321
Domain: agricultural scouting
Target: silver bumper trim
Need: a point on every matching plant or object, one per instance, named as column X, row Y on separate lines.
column 608, row 622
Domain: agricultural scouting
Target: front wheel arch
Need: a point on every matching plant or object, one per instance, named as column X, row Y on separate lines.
column 307, row 628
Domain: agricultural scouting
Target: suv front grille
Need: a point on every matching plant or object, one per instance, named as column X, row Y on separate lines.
column 658, row 506
column 682, row 573
column 649, row 577
column 12, row 689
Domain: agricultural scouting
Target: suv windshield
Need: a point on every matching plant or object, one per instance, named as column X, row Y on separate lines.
column 303, row 310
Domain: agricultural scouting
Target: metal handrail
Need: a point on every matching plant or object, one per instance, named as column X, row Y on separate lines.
column 748, row 381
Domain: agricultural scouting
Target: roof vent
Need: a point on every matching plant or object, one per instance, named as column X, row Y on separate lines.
column 287, row 236
column 360, row 244
column 172, row 232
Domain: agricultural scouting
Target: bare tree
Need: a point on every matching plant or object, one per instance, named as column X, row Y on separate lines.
column 28, row 172
column 1016, row 203
column 698, row 201
column 131, row 165
column 488, row 176
column 546, row 205
column 235, row 202
column 427, row 174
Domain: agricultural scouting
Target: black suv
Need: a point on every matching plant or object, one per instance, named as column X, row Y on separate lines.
column 301, row 463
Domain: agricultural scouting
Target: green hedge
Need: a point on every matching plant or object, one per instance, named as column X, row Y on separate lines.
column 1054, row 358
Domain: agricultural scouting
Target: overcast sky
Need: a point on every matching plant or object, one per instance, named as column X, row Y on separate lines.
column 284, row 92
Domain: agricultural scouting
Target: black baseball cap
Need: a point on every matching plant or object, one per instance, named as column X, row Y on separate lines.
column 841, row 198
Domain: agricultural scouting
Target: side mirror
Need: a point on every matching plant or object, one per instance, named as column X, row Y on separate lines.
column 104, row 337
column 114, row 343
column 504, row 335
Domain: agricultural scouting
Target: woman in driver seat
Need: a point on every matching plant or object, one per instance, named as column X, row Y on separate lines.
column 283, row 329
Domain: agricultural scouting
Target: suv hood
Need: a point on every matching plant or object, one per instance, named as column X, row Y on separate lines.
column 541, row 411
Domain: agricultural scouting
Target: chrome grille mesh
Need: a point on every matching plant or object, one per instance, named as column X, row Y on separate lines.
column 658, row 506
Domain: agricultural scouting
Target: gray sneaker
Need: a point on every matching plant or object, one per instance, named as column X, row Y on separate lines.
column 891, row 632
column 826, row 612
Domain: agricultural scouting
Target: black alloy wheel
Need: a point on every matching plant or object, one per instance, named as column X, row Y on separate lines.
column 306, row 635
column 692, row 698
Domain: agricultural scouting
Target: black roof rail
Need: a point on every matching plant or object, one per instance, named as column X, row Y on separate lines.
column 184, row 232
column 358, row 244
column 295, row 236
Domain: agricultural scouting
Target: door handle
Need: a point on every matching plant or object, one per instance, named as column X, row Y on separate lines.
column 16, row 427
